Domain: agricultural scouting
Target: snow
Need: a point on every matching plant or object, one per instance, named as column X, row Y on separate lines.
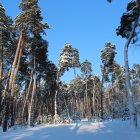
column 110, row 130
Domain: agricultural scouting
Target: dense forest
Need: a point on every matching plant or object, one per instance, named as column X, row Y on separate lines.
column 31, row 90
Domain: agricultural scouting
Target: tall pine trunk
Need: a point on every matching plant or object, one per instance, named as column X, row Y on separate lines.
column 131, row 106
column 93, row 102
column 101, row 94
column 1, row 63
column 55, row 106
column 16, row 70
column 32, row 96
column 6, row 113
column 1, row 55
column 55, row 98
column 87, row 107
column 67, row 109
column 26, row 98
column 15, row 61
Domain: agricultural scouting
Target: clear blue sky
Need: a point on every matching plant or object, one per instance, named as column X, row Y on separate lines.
column 86, row 24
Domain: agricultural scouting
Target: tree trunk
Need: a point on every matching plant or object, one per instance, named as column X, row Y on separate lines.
column 1, row 55
column 113, row 100
column 55, row 98
column 93, row 102
column 15, row 60
column 55, row 107
column 12, row 111
column 16, row 71
column 87, row 107
column 26, row 98
column 4, row 91
column 1, row 63
column 131, row 106
column 101, row 93
column 6, row 114
column 66, row 108
column 33, row 93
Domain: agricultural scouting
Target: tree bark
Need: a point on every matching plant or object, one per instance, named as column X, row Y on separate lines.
column 55, row 98
column 1, row 63
column 17, row 68
column 101, row 93
column 15, row 60
column 131, row 106
column 6, row 114
column 87, row 107
column 26, row 98
column 66, row 108
column 33, row 93
column 55, row 106
column 1, row 55
column 93, row 102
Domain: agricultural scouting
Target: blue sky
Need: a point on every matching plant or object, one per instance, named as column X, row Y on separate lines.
column 86, row 24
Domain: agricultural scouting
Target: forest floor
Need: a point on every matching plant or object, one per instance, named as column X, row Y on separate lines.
column 84, row 130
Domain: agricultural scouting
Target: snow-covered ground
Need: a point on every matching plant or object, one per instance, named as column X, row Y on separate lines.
column 111, row 130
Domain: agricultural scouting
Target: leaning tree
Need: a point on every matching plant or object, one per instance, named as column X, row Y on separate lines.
column 128, row 29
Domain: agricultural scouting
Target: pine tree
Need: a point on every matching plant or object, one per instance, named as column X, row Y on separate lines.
column 29, row 24
column 51, row 85
column 86, row 69
column 75, row 60
column 66, row 58
column 76, row 91
column 127, row 29
column 96, row 96
column 107, row 57
column 5, row 39
column 6, row 46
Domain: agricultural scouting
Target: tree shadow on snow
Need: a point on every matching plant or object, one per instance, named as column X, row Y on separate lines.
column 113, row 130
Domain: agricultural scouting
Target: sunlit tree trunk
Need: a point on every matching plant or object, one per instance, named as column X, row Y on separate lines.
column 93, row 102
column 55, row 106
column 15, row 61
column 16, row 70
column 26, row 98
column 55, row 98
column 131, row 106
column 113, row 100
